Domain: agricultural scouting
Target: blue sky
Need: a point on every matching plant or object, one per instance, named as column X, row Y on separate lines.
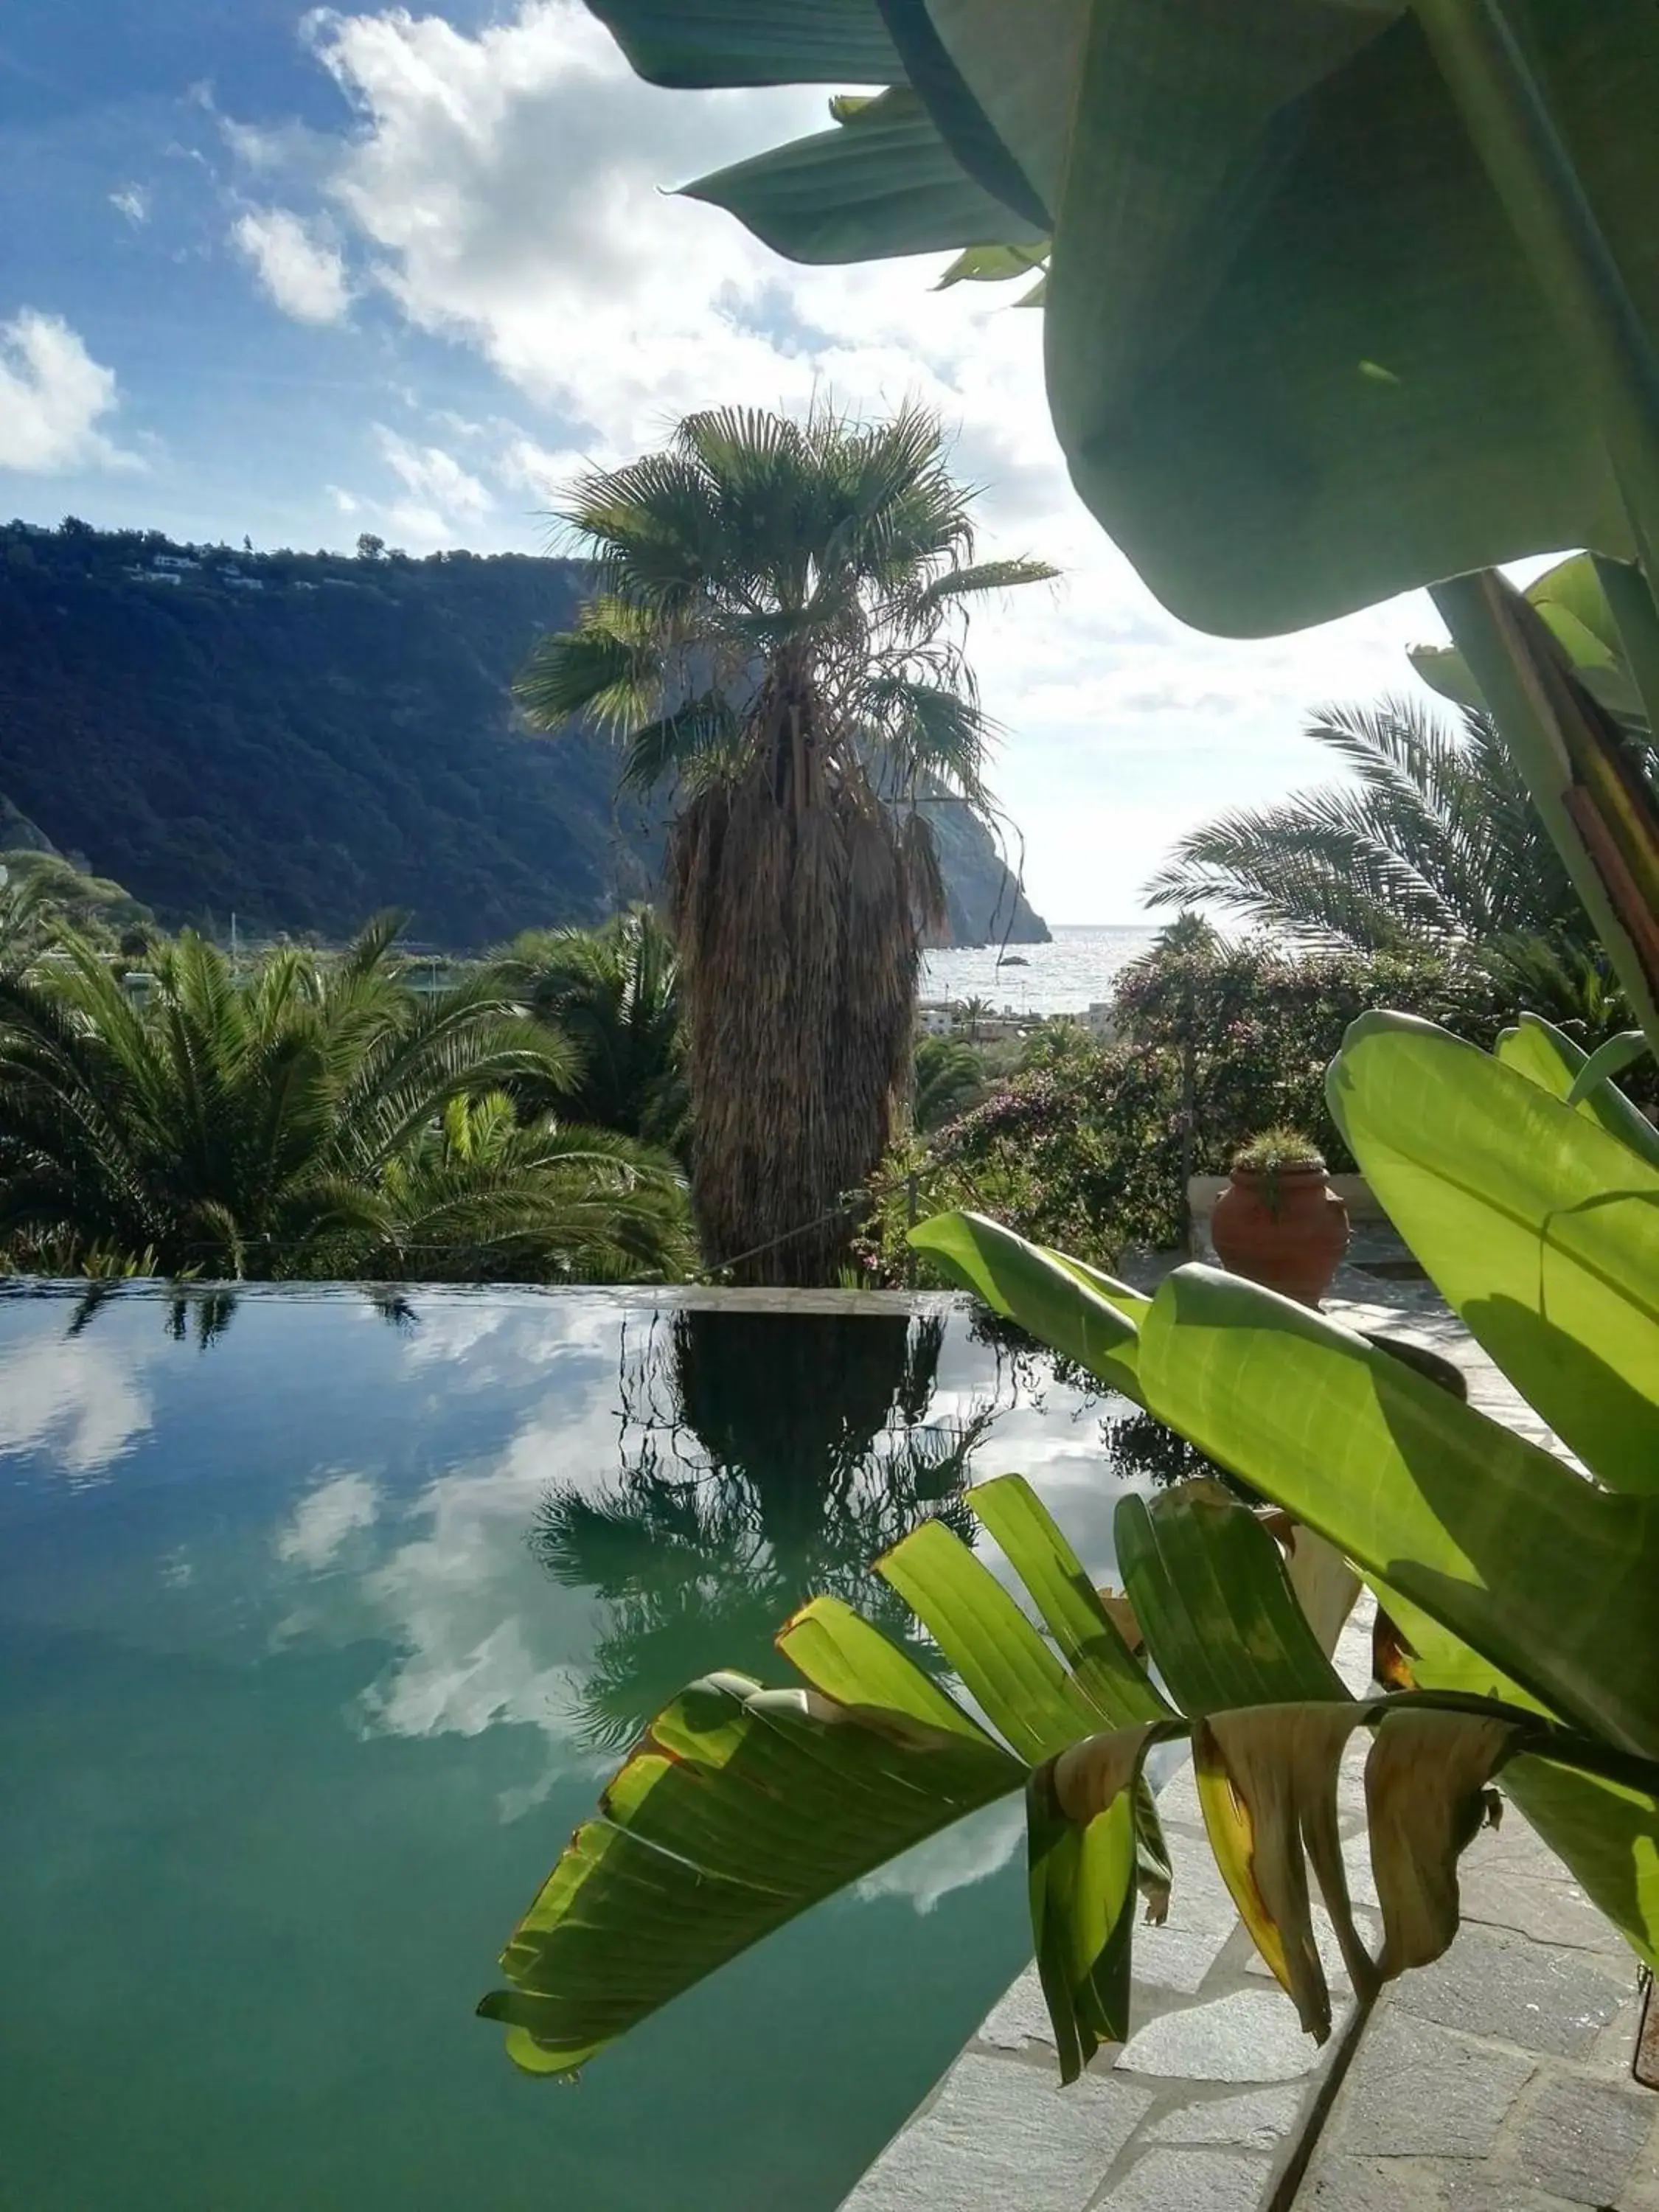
column 294, row 273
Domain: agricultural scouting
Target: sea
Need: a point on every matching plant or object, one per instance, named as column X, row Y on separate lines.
column 1065, row 976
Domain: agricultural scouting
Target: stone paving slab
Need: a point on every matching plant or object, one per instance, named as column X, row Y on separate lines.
column 1498, row 2079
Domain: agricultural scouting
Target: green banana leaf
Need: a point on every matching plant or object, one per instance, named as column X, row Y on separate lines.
column 1082, row 1313
column 884, row 173
column 1539, row 1228
column 1575, row 610
column 1297, row 358
column 1547, row 1576
column 743, row 42
column 1199, row 1562
column 743, row 1806
column 1548, row 1056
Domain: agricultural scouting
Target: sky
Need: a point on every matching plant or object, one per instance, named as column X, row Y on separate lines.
column 297, row 273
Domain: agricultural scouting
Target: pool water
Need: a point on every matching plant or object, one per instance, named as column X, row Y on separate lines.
column 323, row 1617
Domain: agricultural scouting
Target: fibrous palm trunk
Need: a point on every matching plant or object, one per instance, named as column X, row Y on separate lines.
column 794, row 901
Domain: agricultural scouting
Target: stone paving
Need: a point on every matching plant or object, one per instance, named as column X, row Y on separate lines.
column 1498, row 2080
column 1495, row 2081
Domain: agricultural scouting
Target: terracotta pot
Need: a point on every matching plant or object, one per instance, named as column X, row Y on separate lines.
column 1283, row 1227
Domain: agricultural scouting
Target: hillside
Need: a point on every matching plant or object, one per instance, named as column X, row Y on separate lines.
column 302, row 739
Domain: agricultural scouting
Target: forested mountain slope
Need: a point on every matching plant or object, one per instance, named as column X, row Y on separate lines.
column 302, row 739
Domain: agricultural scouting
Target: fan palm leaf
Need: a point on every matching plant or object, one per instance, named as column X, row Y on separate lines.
column 775, row 636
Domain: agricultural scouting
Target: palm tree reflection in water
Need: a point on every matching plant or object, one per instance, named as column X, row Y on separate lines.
column 767, row 1458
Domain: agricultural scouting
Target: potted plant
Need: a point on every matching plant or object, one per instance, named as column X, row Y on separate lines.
column 1278, row 1221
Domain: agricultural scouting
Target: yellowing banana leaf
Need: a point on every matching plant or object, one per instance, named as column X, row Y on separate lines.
column 1548, row 1576
column 740, row 42
column 1266, row 1786
column 1425, row 1798
column 1210, row 1590
column 882, row 179
column 1080, row 1312
column 1606, row 1833
column 1540, row 1229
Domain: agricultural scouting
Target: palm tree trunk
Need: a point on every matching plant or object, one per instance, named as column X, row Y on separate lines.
column 799, row 948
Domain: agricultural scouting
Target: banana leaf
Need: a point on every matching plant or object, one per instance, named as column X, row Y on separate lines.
column 1605, row 1832
column 1298, row 359
column 882, row 179
column 1539, row 1228
column 1548, row 1056
column 743, row 42
column 743, row 1806
column 1547, row 1576
column 1574, row 607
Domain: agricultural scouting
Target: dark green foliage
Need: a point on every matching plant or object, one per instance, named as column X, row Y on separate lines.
column 615, row 992
column 341, row 739
column 314, row 1118
column 950, row 1079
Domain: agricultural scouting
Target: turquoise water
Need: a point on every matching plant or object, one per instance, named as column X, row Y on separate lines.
column 322, row 1620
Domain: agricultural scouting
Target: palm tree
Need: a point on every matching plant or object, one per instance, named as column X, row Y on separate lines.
column 1435, row 844
column 973, row 1011
column 614, row 992
column 776, row 635
column 307, row 1119
column 950, row 1079
column 737, row 1502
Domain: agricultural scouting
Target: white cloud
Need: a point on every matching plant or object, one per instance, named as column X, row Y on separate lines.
column 133, row 202
column 302, row 272
column 504, row 189
column 440, row 504
column 81, row 1399
column 435, row 477
column 325, row 1518
column 53, row 395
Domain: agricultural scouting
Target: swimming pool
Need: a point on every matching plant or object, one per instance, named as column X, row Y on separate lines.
column 323, row 1615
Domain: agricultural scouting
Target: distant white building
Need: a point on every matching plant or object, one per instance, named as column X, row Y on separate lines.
column 178, row 562
column 246, row 583
column 936, row 1018
column 1102, row 1021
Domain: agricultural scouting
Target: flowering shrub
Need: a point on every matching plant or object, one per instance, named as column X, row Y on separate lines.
column 1089, row 1148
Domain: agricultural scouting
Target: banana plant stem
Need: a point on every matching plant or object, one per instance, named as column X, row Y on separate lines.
column 1488, row 631
column 1506, row 113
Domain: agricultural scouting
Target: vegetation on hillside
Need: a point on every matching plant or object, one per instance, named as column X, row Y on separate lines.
column 777, row 638
column 303, row 738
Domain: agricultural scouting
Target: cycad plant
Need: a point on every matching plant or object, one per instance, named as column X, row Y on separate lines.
column 294, row 1123
column 615, row 992
column 775, row 637
column 1434, row 842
